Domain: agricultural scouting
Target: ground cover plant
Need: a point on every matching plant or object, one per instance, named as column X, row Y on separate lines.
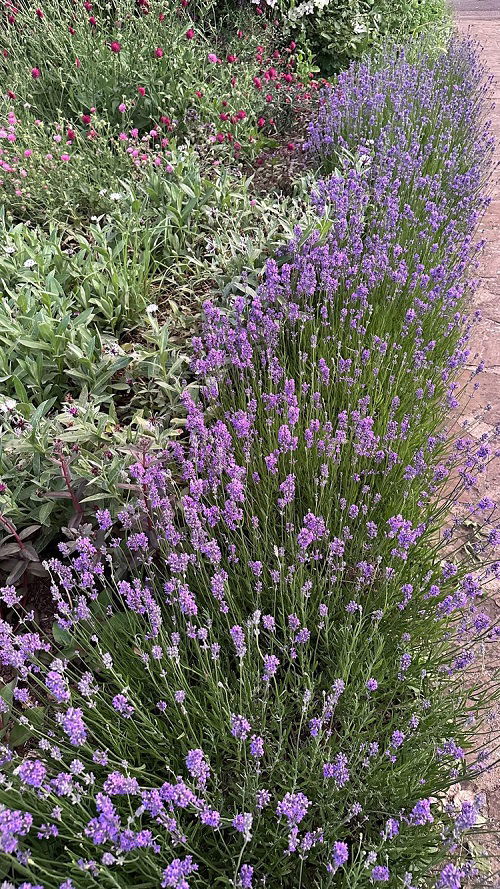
column 273, row 692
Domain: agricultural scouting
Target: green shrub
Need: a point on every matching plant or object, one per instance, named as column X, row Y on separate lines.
column 340, row 30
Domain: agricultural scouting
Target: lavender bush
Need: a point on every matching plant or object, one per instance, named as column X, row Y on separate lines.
column 273, row 694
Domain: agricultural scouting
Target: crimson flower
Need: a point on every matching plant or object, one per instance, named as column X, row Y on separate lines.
column 189, row 33
column 159, row 52
column 39, row 13
column 141, row 90
column 115, row 46
column 35, row 73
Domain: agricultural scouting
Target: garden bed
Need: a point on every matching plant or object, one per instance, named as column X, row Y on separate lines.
column 259, row 671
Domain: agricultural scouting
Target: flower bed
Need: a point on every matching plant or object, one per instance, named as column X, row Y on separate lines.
column 274, row 693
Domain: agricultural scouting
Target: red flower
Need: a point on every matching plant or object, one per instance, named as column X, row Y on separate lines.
column 39, row 13
column 257, row 82
column 141, row 90
column 87, row 5
column 290, row 146
column 92, row 20
column 159, row 52
column 231, row 58
column 189, row 33
column 220, row 137
column 10, row 94
column 223, row 116
column 239, row 33
column 261, row 121
column 71, row 30
column 115, row 46
column 71, row 135
column 199, row 94
column 161, row 17
column 78, row 64
column 86, row 118
column 35, row 73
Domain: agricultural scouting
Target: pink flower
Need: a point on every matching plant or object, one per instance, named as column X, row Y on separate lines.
column 212, row 58
column 65, row 157
column 261, row 121
column 35, row 73
column 86, row 118
column 115, row 46
column 159, row 52
column 141, row 90
column 78, row 63
column 190, row 34
column 39, row 13
column 122, row 107
column 28, row 152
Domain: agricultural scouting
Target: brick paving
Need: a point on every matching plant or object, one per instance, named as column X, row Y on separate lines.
column 481, row 18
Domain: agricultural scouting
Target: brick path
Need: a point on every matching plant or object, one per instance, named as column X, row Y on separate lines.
column 482, row 19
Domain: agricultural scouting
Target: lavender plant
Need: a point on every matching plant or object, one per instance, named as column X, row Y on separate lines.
column 273, row 694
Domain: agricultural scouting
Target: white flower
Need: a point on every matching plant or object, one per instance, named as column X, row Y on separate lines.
column 152, row 309
column 115, row 196
column 29, row 263
column 10, row 249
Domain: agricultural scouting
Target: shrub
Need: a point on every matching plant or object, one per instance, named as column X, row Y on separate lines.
column 274, row 693
column 225, row 90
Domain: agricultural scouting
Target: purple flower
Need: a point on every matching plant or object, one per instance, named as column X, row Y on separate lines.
column 338, row 770
column 397, row 739
column 246, row 876
column 121, row 704
column 240, row 727
column 450, row 877
column 198, row 766
column 104, row 519
column 238, row 637
column 32, row 772
column 421, row 813
column 243, row 824
column 174, row 876
column 256, row 746
column 74, row 726
column 340, row 854
column 371, row 684
column 380, row 874
column 294, row 807
column 271, row 664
